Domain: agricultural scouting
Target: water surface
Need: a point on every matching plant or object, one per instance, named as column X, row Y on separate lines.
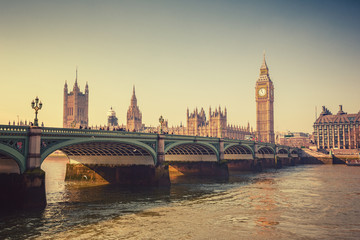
column 302, row 202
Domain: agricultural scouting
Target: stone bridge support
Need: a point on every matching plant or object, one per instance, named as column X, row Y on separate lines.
column 221, row 150
column 160, row 149
column 26, row 189
column 162, row 176
column 34, row 156
column 257, row 163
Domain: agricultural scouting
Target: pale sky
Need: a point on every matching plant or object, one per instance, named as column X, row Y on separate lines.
column 180, row 54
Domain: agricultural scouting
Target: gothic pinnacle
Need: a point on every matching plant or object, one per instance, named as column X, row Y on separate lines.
column 264, row 65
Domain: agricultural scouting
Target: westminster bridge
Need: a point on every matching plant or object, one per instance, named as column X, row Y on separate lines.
column 128, row 158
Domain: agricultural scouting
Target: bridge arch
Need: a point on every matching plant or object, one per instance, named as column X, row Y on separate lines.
column 236, row 148
column 283, row 151
column 203, row 151
column 8, row 152
column 111, row 147
column 266, row 150
column 294, row 151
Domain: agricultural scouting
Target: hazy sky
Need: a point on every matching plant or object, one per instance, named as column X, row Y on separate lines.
column 180, row 54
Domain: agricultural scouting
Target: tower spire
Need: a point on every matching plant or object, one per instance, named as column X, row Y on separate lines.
column 87, row 88
column 264, row 61
column 264, row 70
column 133, row 98
column 76, row 87
column 66, row 87
column 76, row 75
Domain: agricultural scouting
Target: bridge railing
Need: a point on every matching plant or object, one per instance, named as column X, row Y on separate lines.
column 90, row 132
column 11, row 129
column 188, row 137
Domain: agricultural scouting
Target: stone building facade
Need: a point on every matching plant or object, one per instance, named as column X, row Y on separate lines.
column 215, row 126
column 76, row 106
column 134, row 116
column 264, row 95
column 340, row 131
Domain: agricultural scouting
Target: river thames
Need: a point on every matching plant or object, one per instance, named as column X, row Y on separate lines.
column 302, row 202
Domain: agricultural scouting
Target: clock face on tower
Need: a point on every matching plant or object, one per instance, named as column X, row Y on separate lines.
column 262, row 92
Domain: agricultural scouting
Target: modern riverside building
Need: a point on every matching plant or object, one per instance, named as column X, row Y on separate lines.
column 76, row 106
column 340, row 131
column 264, row 95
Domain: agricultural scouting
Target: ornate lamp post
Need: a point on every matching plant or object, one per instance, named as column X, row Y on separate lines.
column 36, row 106
column 161, row 121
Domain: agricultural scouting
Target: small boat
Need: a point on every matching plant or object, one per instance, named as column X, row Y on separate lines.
column 353, row 162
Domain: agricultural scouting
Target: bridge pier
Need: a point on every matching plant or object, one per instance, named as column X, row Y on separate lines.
column 23, row 191
column 257, row 165
column 140, row 175
column 278, row 162
column 268, row 163
column 297, row 160
column 240, row 165
column 215, row 170
column 160, row 149
column 286, row 161
column 27, row 189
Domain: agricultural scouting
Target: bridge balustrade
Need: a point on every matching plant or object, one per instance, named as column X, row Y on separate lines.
column 4, row 129
column 87, row 132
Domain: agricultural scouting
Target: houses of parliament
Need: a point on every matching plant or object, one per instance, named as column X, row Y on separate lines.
column 197, row 123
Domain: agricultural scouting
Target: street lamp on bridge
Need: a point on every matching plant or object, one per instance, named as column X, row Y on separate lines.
column 161, row 121
column 36, row 106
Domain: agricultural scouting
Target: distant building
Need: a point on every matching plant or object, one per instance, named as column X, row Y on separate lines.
column 340, row 131
column 112, row 119
column 134, row 116
column 264, row 95
column 76, row 106
column 296, row 139
column 215, row 126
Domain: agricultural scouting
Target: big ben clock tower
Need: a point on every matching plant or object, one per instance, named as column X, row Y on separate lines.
column 264, row 92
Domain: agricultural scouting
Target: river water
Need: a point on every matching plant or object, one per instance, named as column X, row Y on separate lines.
column 302, row 202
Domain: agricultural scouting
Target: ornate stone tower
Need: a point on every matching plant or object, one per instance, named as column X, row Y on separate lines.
column 134, row 116
column 195, row 121
column 217, row 123
column 264, row 92
column 76, row 106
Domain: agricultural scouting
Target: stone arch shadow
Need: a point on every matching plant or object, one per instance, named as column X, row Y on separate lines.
column 10, row 155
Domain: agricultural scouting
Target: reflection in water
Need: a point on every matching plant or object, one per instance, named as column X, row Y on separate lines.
column 303, row 202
